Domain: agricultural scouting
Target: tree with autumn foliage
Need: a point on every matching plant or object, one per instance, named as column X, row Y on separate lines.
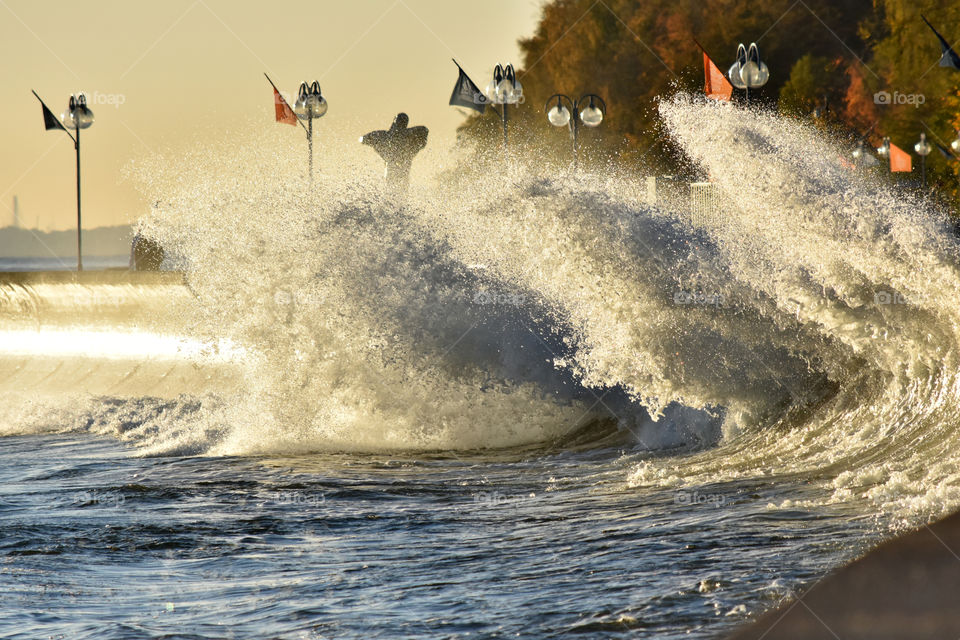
column 828, row 57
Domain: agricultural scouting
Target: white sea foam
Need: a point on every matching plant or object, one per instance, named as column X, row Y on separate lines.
column 865, row 278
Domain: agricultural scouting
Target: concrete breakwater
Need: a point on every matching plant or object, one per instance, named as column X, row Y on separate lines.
column 905, row 588
column 107, row 276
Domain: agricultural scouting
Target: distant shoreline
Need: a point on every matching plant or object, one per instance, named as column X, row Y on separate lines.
column 19, row 243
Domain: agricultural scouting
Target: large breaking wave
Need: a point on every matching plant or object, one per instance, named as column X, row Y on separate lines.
column 810, row 327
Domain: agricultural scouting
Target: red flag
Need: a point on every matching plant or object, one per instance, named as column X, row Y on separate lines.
column 900, row 160
column 284, row 113
column 716, row 85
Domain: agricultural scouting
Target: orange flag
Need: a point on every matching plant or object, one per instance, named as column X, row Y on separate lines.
column 900, row 160
column 284, row 113
column 716, row 85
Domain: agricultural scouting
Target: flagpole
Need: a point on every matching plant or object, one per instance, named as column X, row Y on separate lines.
column 281, row 95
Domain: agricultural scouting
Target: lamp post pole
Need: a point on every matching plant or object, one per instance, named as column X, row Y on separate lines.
column 310, row 104
column 505, row 90
column 884, row 151
column 576, row 137
column 923, row 148
column 78, row 116
column 506, row 117
column 310, row 146
column 76, row 146
column 560, row 116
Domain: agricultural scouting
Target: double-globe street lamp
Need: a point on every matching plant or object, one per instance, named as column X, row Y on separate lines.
column 560, row 116
column 310, row 104
column 78, row 116
column 505, row 90
column 748, row 72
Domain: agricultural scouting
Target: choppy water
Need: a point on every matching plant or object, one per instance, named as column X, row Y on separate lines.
column 99, row 544
column 532, row 407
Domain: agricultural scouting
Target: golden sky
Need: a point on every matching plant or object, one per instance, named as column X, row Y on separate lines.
column 159, row 75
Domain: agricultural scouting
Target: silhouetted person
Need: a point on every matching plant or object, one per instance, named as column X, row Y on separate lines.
column 397, row 146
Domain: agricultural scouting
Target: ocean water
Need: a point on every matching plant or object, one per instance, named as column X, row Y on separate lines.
column 531, row 407
column 101, row 544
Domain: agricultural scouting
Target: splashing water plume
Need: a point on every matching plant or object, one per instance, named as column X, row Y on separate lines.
column 522, row 310
column 865, row 278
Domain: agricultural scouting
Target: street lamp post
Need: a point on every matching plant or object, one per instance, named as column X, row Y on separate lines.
column 748, row 72
column 505, row 90
column 78, row 116
column 923, row 149
column 310, row 104
column 560, row 116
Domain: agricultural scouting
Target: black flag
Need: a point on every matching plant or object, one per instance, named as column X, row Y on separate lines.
column 50, row 121
column 466, row 94
column 949, row 57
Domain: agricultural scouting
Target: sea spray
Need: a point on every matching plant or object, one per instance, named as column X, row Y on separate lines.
column 814, row 318
column 364, row 333
column 868, row 275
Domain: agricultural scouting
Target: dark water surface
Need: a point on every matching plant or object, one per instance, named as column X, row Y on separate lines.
column 97, row 543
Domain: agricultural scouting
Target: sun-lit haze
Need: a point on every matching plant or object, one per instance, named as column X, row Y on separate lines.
column 162, row 75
